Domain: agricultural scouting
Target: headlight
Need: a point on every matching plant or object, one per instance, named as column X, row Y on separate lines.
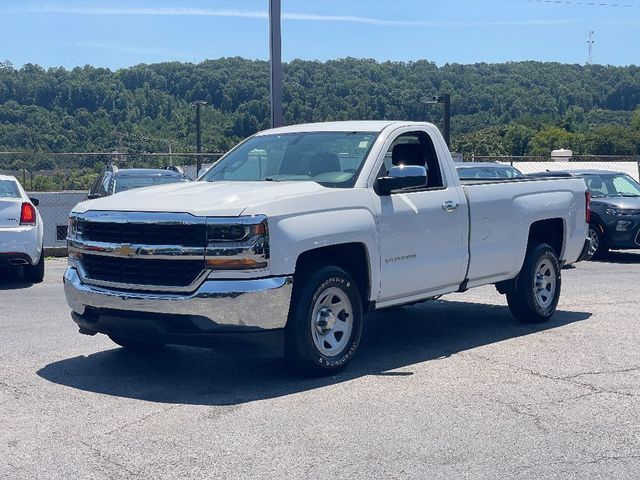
column 72, row 227
column 237, row 244
column 620, row 212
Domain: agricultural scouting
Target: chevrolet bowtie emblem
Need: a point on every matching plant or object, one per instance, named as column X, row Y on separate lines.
column 126, row 250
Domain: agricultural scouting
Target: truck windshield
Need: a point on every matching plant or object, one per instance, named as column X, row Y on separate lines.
column 332, row 159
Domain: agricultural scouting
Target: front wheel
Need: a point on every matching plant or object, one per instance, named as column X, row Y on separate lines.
column 599, row 247
column 325, row 323
column 537, row 289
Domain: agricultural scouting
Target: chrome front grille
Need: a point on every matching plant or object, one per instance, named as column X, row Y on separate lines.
column 193, row 235
column 139, row 250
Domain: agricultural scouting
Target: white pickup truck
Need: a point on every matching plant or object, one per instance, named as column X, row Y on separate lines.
column 303, row 229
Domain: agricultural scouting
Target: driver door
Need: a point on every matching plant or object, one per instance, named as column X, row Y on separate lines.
column 422, row 242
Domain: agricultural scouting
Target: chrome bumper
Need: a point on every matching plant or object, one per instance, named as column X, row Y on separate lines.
column 262, row 304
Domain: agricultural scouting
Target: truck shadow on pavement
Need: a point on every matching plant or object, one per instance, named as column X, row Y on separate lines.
column 392, row 339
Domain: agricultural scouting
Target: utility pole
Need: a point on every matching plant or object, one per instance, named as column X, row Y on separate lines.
column 120, row 150
column 590, row 42
column 275, row 62
column 198, row 104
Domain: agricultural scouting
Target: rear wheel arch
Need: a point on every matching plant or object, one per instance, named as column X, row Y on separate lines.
column 550, row 231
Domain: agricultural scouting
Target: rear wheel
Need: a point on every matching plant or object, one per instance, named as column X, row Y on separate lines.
column 325, row 323
column 35, row 273
column 537, row 289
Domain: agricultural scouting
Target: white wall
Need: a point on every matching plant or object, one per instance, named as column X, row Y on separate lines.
column 54, row 209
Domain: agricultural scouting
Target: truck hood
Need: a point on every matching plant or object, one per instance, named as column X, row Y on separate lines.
column 215, row 199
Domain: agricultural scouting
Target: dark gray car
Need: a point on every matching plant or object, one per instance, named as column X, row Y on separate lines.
column 615, row 209
column 115, row 180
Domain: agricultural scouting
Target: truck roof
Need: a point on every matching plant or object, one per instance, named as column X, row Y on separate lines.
column 374, row 126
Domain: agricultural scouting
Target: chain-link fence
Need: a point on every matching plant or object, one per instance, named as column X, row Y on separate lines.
column 60, row 180
column 46, row 172
column 626, row 164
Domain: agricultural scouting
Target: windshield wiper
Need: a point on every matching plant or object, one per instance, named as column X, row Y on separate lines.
column 271, row 179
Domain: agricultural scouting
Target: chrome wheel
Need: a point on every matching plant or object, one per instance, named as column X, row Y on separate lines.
column 544, row 283
column 331, row 321
column 594, row 241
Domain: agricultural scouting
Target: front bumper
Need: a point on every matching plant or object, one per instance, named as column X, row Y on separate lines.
column 217, row 306
column 627, row 238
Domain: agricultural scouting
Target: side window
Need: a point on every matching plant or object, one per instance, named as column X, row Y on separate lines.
column 414, row 148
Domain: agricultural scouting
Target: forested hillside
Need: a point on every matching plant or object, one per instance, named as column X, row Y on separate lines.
column 510, row 108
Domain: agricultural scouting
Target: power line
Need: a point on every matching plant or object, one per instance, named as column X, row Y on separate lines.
column 586, row 4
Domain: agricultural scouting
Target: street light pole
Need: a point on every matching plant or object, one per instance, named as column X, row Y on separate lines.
column 198, row 104
column 447, row 118
column 445, row 101
column 275, row 63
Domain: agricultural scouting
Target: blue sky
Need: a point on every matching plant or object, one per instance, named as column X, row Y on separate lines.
column 116, row 34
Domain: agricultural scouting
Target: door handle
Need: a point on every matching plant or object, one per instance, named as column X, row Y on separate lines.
column 450, row 206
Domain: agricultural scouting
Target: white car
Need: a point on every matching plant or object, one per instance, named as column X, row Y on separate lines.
column 21, row 232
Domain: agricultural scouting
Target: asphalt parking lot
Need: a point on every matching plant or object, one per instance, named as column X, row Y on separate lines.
column 453, row 388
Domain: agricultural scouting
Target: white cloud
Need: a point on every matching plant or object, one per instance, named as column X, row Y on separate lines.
column 286, row 16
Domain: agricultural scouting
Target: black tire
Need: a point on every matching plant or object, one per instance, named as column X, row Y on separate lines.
column 540, row 274
column 136, row 345
column 600, row 249
column 35, row 273
column 315, row 290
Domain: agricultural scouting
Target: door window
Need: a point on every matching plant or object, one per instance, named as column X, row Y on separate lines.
column 414, row 148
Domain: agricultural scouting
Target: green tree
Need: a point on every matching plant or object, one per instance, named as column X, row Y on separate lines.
column 549, row 139
column 517, row 138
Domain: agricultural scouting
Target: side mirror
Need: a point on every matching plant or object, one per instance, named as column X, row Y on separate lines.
column 401, row 177
column 35, row 201
column 93, row 196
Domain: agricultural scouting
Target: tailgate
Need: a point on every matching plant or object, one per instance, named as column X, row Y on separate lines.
column 10, row 212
